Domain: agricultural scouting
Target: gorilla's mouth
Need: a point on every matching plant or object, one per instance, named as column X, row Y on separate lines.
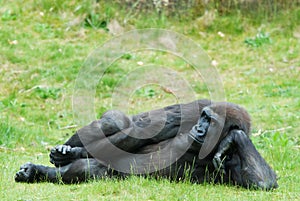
column 196, row 136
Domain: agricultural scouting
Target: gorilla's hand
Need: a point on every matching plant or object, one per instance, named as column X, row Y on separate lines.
column 220, row 157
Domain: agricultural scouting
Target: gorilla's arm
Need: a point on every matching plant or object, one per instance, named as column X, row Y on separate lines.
column 246, row 166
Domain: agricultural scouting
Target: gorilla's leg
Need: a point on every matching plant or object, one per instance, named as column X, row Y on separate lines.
column 247, row 166
column 78, row 171
column 148, row 127
column 115, row 129
column 109, row 124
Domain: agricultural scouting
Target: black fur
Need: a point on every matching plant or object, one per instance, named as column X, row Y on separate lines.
column 88, row 154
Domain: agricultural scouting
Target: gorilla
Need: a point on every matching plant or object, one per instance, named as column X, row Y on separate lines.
column 201, row 141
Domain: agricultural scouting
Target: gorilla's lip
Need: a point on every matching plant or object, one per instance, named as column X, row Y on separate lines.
column 193, row 135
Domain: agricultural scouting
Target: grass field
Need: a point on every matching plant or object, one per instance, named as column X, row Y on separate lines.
column 44, row 44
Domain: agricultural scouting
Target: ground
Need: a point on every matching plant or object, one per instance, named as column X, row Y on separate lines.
column 44, row 46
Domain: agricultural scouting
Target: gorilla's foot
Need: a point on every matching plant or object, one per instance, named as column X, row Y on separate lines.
column 27, row 173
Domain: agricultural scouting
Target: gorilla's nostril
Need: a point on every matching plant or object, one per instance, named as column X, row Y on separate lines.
column 200, row 131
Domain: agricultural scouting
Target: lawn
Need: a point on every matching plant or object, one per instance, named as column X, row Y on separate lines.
column 45, row 44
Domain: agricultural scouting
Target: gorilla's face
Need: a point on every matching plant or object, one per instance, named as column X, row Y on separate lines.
column 209, row 123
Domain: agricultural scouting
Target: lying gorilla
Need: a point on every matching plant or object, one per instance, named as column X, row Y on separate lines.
column 172, row 142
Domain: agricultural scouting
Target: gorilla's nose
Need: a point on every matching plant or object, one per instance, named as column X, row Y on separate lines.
column 200, row 131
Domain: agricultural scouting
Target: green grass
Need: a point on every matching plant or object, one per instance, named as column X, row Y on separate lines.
column 44, row 44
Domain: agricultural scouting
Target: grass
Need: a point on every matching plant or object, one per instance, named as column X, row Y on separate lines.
column 44, row 45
